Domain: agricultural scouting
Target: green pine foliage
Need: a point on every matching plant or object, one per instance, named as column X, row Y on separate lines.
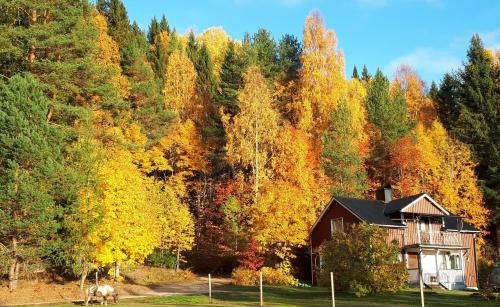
column 340, row 159
column 387, row 111
column 32, row 160
column 231, row 80
column 468, row 104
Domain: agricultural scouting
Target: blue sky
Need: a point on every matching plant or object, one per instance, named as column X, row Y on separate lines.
column 430, row 35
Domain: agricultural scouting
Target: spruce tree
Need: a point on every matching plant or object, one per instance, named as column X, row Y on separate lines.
column 164, row 27
column 365, row 76
column 341, row 160
column 153, row 30
column 388, row 113
column 355, row 73
column 264, row 53
column 289, row 51
column 447, row 100
column 477, row 121
column 231, row 80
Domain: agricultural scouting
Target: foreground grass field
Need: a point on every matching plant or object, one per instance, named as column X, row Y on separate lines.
column 284, row 296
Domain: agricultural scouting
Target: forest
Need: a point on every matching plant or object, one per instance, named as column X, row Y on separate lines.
column 118, row 143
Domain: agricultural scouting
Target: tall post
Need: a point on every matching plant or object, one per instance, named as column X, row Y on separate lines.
column 420, row 277
column 333, row 289
column 261, row 296
column 210, row 288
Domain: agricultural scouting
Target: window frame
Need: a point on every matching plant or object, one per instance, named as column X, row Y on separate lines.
column 334, row 220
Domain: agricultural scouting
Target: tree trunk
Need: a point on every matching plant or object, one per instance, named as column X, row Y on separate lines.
column 117, row 270
column 32, row 48
column 14, row 266
column 178, row 259
column 83, row 276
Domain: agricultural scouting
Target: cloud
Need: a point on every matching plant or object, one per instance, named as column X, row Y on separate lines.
column 280, row 2
column 425, row 61
column 382, row 3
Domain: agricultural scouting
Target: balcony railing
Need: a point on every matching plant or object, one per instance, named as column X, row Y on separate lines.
column 440, row 238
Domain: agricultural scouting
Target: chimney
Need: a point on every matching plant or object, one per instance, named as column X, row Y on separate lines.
column 384, row 194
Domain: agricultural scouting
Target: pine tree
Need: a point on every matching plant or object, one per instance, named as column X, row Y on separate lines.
column 386, row 111
column 264, row 53
column 340, row 158
column 477, row 122
column 447, row 100
column 289, row 51
column 355, row 73
column 153, row 30
column 231, row 80
column 31, row 162
column 365, row 76
column 164, row 27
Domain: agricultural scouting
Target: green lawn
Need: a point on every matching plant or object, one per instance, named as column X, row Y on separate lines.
column 284, row 296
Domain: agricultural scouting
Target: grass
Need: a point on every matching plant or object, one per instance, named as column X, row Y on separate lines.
column 286, row 296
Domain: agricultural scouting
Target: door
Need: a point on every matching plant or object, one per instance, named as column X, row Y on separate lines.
column 429, row 270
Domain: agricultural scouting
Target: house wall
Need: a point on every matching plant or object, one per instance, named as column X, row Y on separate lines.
column 322, row 232
column 469, row 260
column 424, row 206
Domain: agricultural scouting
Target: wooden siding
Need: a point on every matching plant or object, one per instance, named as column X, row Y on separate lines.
column 322, row 232
column 469, row 260
column 424, row 206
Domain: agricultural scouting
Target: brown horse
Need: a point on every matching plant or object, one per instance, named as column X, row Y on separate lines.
column 103, row 291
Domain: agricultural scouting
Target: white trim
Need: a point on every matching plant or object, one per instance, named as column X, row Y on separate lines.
column 389, row 226
column 429, row 199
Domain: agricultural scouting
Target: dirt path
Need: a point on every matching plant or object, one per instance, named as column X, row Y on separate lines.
column 70, row 293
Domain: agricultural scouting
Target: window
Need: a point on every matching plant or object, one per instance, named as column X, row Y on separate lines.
column 454, row 263
column 337, row 225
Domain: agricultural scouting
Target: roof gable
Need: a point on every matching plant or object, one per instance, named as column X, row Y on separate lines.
column 405, row 204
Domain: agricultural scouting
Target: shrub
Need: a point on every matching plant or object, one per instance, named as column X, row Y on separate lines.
column 245, row 277
column 162, row 259
column 270, row 276
column 362, row 262
column 278, row 277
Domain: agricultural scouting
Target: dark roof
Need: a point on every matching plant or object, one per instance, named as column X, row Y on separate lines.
column 398, row 204
column 371, row 211
column 378, row 212
column 450, row 223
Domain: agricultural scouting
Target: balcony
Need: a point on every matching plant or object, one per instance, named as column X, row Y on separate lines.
column 440, row 238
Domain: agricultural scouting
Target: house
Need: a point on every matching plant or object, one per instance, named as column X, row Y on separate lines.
column 431, row 239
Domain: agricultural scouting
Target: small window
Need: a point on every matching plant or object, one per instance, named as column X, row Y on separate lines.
column 454, row 262
column 337, row 225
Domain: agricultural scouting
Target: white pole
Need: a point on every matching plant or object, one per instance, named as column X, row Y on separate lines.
column 210, row 288
column 420, row 277
column 333, row 289
column 261, row 296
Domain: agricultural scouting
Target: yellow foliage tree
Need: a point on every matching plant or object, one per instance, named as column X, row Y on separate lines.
column 128, row 229
column 448, row 174
column 180, row 86
column 177, row 226
column 420, row 107
column 321, row 78
column 107, row 56
column 216, row 40
column 251, row 134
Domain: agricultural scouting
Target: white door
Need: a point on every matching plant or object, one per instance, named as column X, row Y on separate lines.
column 429, row 270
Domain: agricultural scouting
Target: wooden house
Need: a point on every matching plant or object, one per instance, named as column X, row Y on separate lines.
column 433, row 242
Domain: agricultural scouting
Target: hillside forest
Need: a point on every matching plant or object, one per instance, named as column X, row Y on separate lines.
column 118, row 142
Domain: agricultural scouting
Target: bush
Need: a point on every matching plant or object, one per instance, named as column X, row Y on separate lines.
column 162, row 259
column 278, row 277
column 245, row 277
column 362, row 262
column 270, row 276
